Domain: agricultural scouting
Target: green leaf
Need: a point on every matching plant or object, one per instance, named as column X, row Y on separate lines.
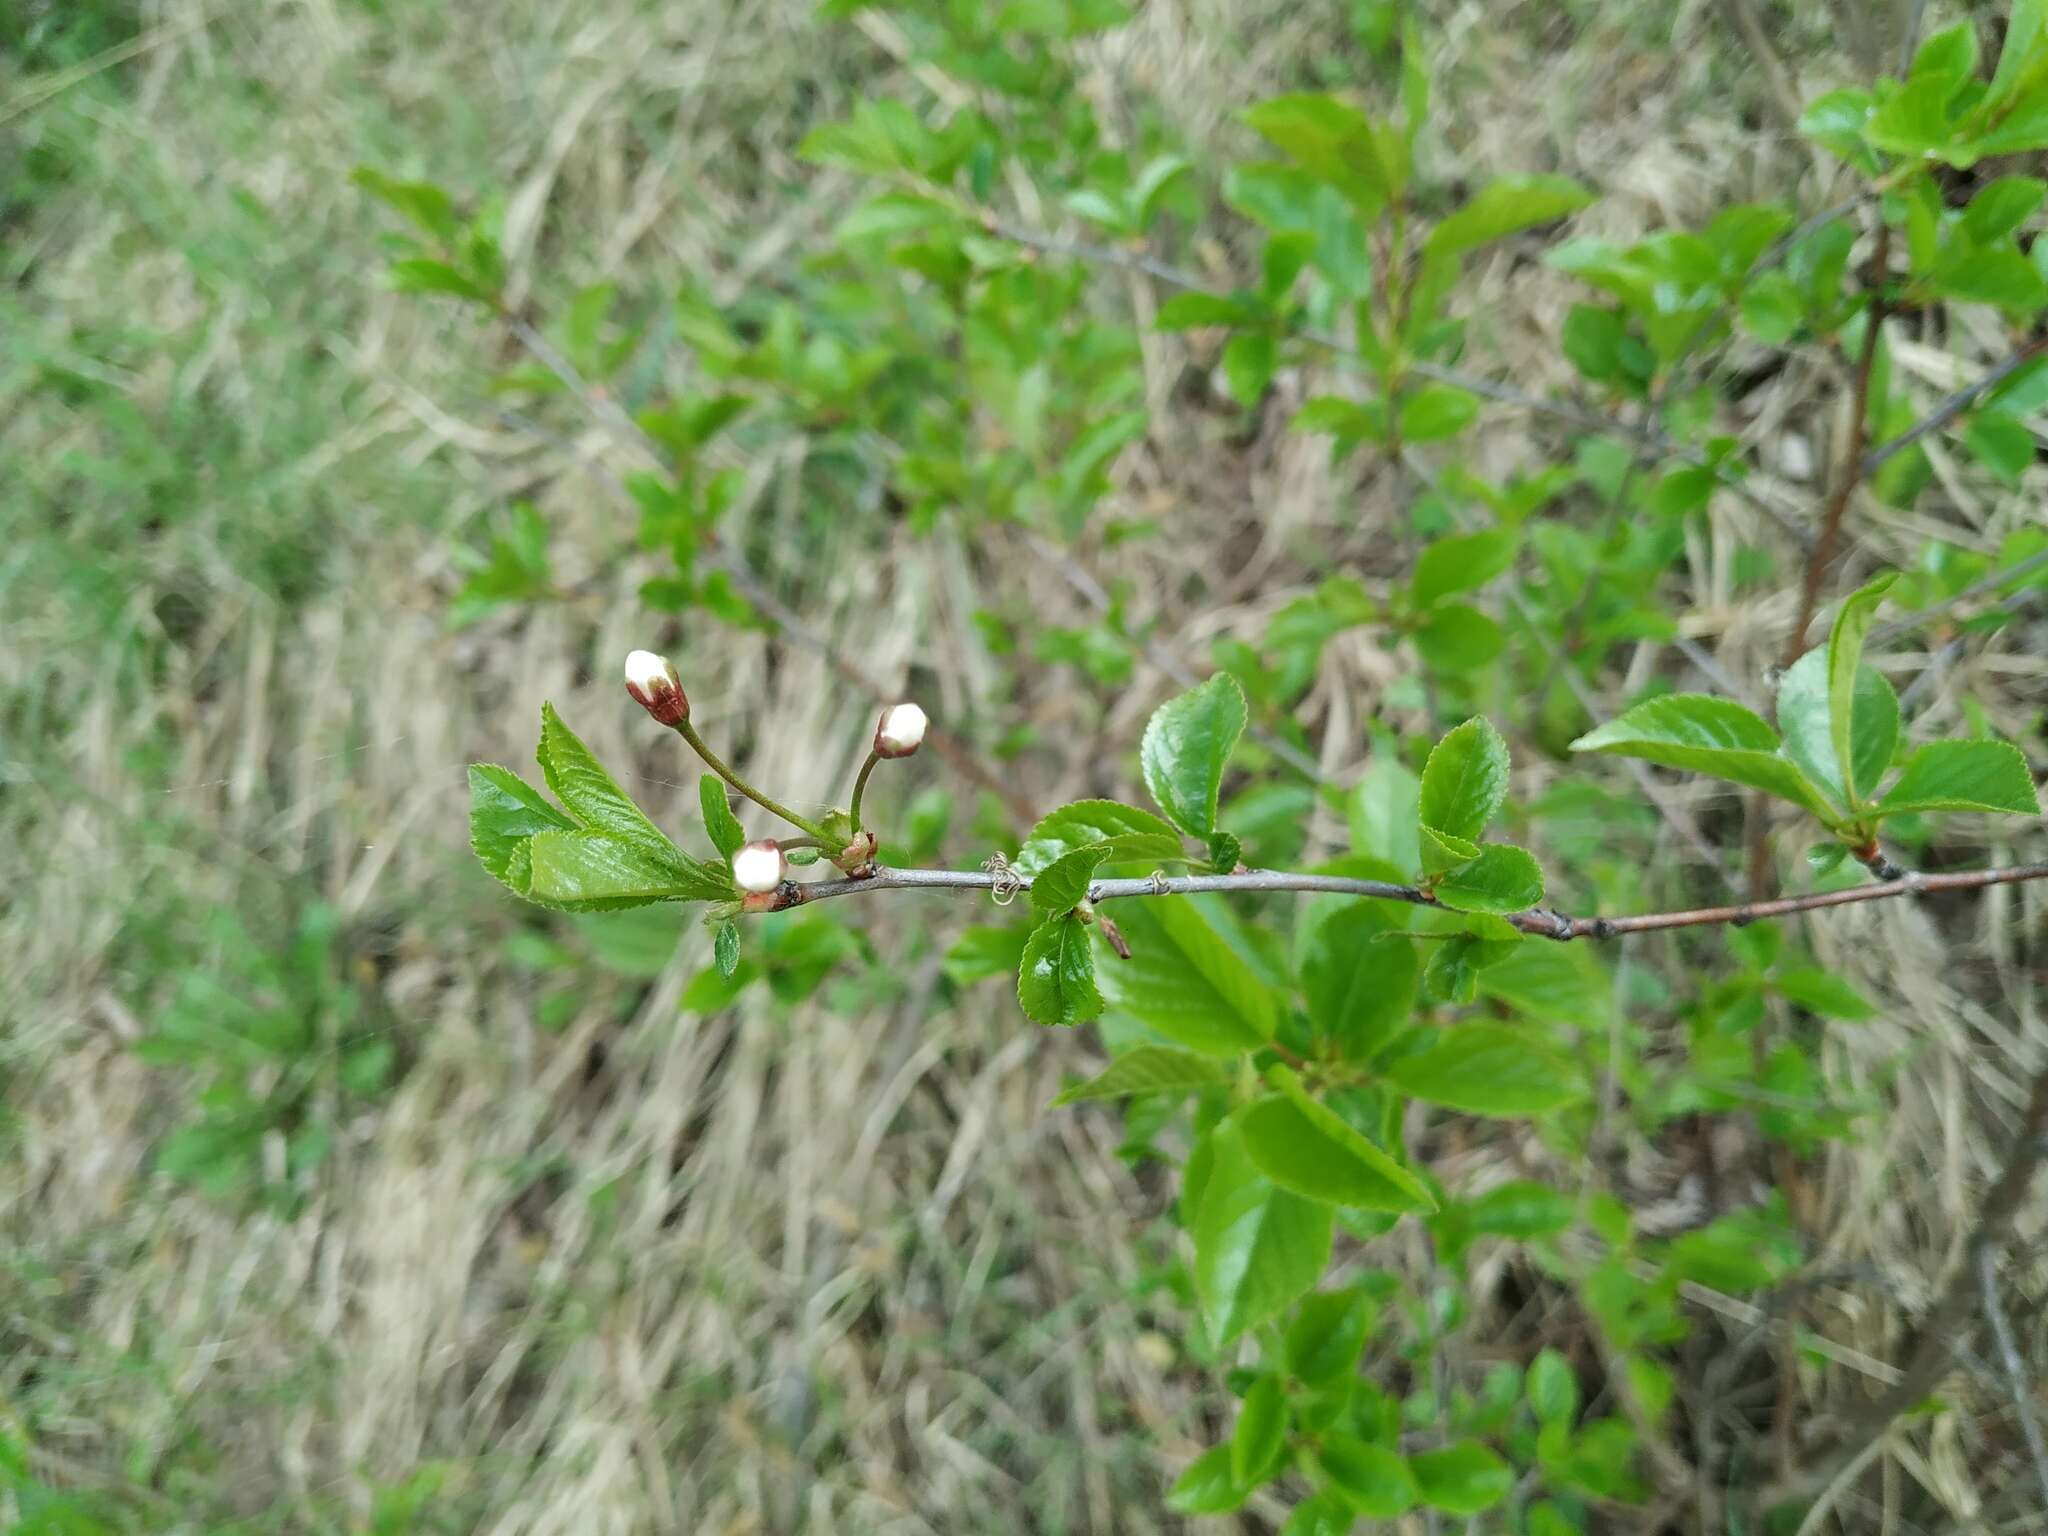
column 504, row 814
column 1208, row 1486
column 588, row 793
column 1186, row 311
column 2002, row 445
column 591, row 872
column 1261, row 1431
column 1707, row 735
column 1845, row 655
column 1063, row 884
column 2025, row 51
column 1463, row 563
column 1373, row 1480
column 1249, row 359
column 1452, row 972
column 1807, row 719
column 1442, row 853
column 1149, row 1069
column 1437, row 412
column 1328, row 1332
column 981, row 952
column 1185, row 982
column 1964, row 776
column 1835, row 121
column 1056, row 980
column 1186, row 744
column 1913, row 120
column 725, row 949
column 1490, row 1069
column 1131, row 835
column 1552, row 1389
column 418, row 275
column 1502, row 208
column 2002, row 206
column 1303, row 1145
column 1521, row 1208
column 1456, row 637
column 1465, row 781
column 1502, row 879
column 724, row 828
column 1323, row 1514
column 1358, row 974
column 1463, row 1479
column 1226, row 852
column 1257, row 1247
column 1819, row 991
column 1383, row 811
column 1335, row 143
column 1949, row 55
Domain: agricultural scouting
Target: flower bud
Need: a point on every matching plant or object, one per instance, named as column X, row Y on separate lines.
column 759, row 867
column 901, row 731
column 657, row 688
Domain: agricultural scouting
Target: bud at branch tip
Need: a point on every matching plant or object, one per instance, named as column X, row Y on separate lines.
column 759, row 867
column 901, row 731
column 656, row 687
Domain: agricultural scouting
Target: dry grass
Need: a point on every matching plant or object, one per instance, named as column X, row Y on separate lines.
column 830, row 1269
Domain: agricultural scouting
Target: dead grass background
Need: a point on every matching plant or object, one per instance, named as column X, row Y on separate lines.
column 650, row 1270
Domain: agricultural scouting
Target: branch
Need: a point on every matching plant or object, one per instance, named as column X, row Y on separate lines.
column 2015, row 1369
column 1541, row 922
column 1954, row 405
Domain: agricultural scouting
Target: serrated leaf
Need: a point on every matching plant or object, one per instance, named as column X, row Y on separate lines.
column 1465, row 781
column 1305, row 1146
column 504, row 814
column 1056, row 978
column 589, row 794
column 1323, row 1342
column 1462, row 563
column 1503, row 207
column 724, row 828
column 1186, row 745
column 1845, row 655
column 1258, row 1248
column 591, row 872
column 1457, row 637
column 1461, row 1479
column 1807, row 719
column 1372, row 1479
column 1208, row 1486
column 1063, row 884
column 1131, row 834
column 1442, row 853
column 725, row 949
column 1226, row 852
column 1490, row 1069
column 1699, row 732
column 1149, row 1069
column 1185, row 982
column 1359, row 976
column 1964, row 776
column 1521, row 1208
column 1502, row 879
column 1261, row 1432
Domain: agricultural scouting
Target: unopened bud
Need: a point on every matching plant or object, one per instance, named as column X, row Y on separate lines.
column 759, row 867
column 901, row 731
column 657, row 688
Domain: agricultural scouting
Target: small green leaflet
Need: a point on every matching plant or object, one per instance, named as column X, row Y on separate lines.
column 1845, row 656
column 1964, row 776
column 1257, row 1247
column 1185, row 982
column 1490, row 1069
column 1063, row 884
column 1465, row 780
column 1707, row 735
column 1056, row 980
column 1303, row 1145
column 1261, row 1432
column 1806, row 716
column 725, row 948
column 1131, row 834
column 1149, row 1069
column 1186, row 744
column 724, row 828
column 1462, row 1479
column 1503, row 878
column 1208, row 1487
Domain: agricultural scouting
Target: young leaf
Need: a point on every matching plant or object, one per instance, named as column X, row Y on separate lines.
column 1823, row 992
column 1358, row 974
column 1327, row 1334
column 1964, row 776
column 1489, row 1069
column 1186, row 744
column 504, row 814
column 1442, row 853
column 1208, row 1486
column 1465, row 780
column 1807, row 719
column 1503, row 878
column 1552, row 1389
column 1261, row 1432
column 1521, row 1208
column 588, row 793
column 1305, row 1146
column 1130, row 833
column 1845, row 655
column 1186, row 983
column 1463, row 1479
column 1063, row 884
column 1383, row 812
column 590, row 872
column 725, row 948
column 1699, row 732
column 1257, row 1247
column 1436, row 412
column 1462, row 563
column 1056, row 981
column 1149, row 1069
column 1501, row 208
column 719, row 821
column 1373, row 1480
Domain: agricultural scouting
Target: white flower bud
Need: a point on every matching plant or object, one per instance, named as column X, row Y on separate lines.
column 759, row 867
column 657, row 687
column 901, row 731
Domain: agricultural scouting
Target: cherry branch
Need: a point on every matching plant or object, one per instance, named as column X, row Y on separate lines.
column 1540, row 923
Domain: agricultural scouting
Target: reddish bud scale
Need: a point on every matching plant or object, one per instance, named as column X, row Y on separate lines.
column 657, row 688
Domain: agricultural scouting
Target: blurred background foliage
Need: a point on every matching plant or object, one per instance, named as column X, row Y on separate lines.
column 343, row 1194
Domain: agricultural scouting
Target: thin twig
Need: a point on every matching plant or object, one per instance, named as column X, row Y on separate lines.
column 1539, row 922
column 2015, row 1369
column 1969, row 594
column 1954, row 405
